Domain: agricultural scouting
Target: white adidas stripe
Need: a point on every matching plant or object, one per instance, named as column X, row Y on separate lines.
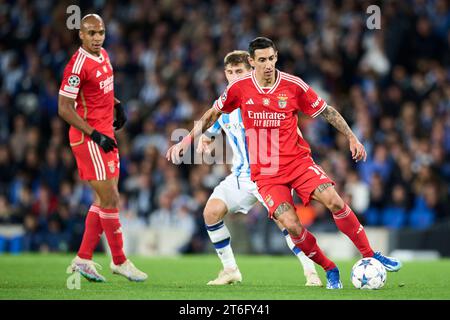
column 78, row 63
column 100, row 159
column 219, row 103
column 275, row 86
column 343, row 214
column 94, row 209
column 94, row 160
column 69, row 95
column 103, row 216
column 295, row 80
column 239, row 79
column 303, row 237
column 320, row 110
column 216, row 106
column 255, row 83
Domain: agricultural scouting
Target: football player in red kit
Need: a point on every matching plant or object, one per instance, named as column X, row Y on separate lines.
column 280, row 159
column 87, row 103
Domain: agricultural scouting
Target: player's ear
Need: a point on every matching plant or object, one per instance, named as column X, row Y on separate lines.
column 81, row 34
column 251, row 61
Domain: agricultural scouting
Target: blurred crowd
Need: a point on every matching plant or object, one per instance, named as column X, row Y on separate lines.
column 392, row 86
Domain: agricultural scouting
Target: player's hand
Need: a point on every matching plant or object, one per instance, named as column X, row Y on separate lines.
column 204, row 145
column 175, row 153
column 103, row 141
column 121, row 118
column 357, row 149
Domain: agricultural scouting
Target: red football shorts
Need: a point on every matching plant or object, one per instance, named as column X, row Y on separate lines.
column 305, row 177
column 93, row 163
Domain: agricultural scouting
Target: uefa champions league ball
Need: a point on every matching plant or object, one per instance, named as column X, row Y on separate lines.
column 368, row 273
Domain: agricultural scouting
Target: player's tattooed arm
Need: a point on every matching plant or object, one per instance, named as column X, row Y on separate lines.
column 176, row 151
column 336, row 120
column 205, row 122
column 282, row 208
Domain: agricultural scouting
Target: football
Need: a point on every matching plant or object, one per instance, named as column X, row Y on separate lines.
column 368, row 273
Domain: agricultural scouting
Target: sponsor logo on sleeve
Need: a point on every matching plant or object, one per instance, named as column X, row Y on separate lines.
column 316, row 103
column 70, row 89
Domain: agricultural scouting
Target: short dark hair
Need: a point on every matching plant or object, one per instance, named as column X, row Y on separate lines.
column 260, row 43
column 236, row 57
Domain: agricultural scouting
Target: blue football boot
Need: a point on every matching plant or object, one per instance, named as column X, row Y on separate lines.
column 391, row 264
column 333, row 279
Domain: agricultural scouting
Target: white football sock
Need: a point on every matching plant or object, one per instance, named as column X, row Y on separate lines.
column 221, row 239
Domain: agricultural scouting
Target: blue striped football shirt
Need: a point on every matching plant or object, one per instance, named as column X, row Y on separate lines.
column 234, row 129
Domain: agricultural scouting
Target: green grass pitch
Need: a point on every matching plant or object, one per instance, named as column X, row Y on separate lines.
column 183, row 278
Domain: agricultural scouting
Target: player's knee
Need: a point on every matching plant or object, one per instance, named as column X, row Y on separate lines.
column 335, row 203
column 332, row 200
column 291, row 222
column 212, row 214
column 294, row 229
column 110, row 200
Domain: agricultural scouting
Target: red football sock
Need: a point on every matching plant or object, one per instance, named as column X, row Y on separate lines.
column 92, row 233
column 111, row 225
column 308, row 244
column 348, row 223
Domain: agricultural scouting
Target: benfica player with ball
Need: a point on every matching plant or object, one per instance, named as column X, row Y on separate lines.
column 87, row 103
column 280, row 158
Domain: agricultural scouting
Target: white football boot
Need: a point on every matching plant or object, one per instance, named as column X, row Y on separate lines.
column 227, row 276
column 86, row 268
column 129, row 271
column 312, row 279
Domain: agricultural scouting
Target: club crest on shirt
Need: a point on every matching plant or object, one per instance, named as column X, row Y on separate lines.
column 269, row 200
column 111, row 166
column 266, row 101
column 282, row 100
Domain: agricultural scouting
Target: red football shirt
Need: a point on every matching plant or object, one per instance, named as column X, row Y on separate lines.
column 89, row 80
column 270, row 118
